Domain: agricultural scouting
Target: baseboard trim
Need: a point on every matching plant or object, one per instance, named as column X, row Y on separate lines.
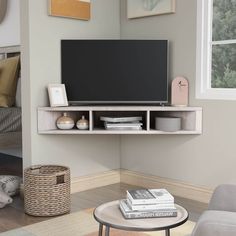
column 87, row 182
column 177, row 188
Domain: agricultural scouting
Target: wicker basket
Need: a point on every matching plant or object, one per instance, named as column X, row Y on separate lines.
column 47, row 190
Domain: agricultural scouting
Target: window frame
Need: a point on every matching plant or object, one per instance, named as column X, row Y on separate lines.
column 204, row 55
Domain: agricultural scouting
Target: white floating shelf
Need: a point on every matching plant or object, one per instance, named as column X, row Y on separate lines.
column 191, row 118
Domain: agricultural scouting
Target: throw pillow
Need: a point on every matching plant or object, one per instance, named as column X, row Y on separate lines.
column 4, row 198
column 10, row 184
column 8, row 80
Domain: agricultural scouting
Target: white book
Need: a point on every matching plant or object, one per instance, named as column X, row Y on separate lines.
column 130, row 214
column 123, row 128
column 121, row 119
column 162, row 195
column 136, row 124
column 149, row 196
column 145, row 207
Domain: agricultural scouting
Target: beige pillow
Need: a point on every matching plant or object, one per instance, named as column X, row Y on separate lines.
column 8, row 80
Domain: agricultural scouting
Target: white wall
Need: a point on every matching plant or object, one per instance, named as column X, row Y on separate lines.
column 207, row 159
column 41, row 35
column 10, row 27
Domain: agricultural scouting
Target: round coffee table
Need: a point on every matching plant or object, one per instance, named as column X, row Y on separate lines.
column 110, row 216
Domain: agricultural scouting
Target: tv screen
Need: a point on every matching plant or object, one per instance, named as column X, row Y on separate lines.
column 115, row 71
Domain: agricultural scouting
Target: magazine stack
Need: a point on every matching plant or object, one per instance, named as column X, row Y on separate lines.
column 148, row 203
column 122, row 123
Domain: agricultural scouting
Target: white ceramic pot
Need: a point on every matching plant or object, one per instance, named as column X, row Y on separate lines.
column 65, row 122
column 82, row 124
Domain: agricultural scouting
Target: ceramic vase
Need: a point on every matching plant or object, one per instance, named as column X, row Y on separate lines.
column 65, row 122
column 82, row 124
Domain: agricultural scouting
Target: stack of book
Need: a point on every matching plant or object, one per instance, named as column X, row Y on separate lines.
column 148, row 203
column 122, row 123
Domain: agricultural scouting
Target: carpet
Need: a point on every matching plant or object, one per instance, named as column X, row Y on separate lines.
column 82, row 223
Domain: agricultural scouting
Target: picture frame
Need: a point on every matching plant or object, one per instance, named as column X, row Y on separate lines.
column 57, row 95
column 143, row 8
column 75, row 9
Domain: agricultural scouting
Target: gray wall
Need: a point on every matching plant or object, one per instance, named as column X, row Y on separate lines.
column 10, row 26
column 208, row 159
column 40, row 37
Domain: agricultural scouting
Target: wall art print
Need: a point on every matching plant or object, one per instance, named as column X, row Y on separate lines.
column 77, row 9
column 142, row 8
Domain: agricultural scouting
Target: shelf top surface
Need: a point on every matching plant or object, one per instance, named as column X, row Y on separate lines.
column 121, row 108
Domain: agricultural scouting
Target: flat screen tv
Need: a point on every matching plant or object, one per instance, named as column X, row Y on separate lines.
column 115, row 71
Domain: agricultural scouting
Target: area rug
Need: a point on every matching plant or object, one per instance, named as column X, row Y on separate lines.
column 82, row 223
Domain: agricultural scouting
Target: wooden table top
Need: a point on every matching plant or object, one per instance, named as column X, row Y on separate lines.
column 109, row 214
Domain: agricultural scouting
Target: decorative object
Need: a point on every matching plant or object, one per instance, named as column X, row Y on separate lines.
column 3, row 9
column 168, row 124
column 82, row 123
column 77, row 9
column 57, row 95
column 65, row 122
column 47, row 190
column 9, row 186
column 179, row 91
column 141, row 8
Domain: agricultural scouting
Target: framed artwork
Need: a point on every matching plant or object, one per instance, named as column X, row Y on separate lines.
column 142, row 8
column 57, row 95
column 77, row 9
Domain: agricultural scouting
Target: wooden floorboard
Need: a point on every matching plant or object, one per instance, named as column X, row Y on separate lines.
column 13, row 216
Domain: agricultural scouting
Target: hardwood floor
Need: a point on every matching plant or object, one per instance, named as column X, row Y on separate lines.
column 13, row 216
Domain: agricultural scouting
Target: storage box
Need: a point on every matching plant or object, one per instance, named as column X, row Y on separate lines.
column 168, row 124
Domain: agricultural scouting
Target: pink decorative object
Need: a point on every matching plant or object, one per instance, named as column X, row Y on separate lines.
column 179, row 91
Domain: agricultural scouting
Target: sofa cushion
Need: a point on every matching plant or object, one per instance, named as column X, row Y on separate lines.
column 216, row 223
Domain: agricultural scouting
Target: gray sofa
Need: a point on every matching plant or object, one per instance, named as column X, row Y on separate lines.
column 220, row 218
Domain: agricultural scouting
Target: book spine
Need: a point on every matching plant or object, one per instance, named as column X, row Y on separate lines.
column 151, row 207
column 139, row 215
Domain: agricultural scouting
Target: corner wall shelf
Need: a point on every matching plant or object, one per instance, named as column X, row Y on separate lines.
column 191, row 118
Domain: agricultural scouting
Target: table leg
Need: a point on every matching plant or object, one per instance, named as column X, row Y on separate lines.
column 167, row 232
column 107, row 232
column 100, row 229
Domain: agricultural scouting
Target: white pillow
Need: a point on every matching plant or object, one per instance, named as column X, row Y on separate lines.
column 10, row 184
column 18, row 93
column 4, row 198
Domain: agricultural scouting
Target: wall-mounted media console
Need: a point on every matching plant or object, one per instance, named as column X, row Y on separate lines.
column 191, row 119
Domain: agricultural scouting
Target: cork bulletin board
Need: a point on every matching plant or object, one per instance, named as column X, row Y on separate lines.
column 77, row 9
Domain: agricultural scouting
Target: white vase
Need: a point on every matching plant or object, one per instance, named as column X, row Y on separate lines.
column 65, row 122
column 82, row 124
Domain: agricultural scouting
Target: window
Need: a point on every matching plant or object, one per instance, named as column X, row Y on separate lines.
column 216, row 49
